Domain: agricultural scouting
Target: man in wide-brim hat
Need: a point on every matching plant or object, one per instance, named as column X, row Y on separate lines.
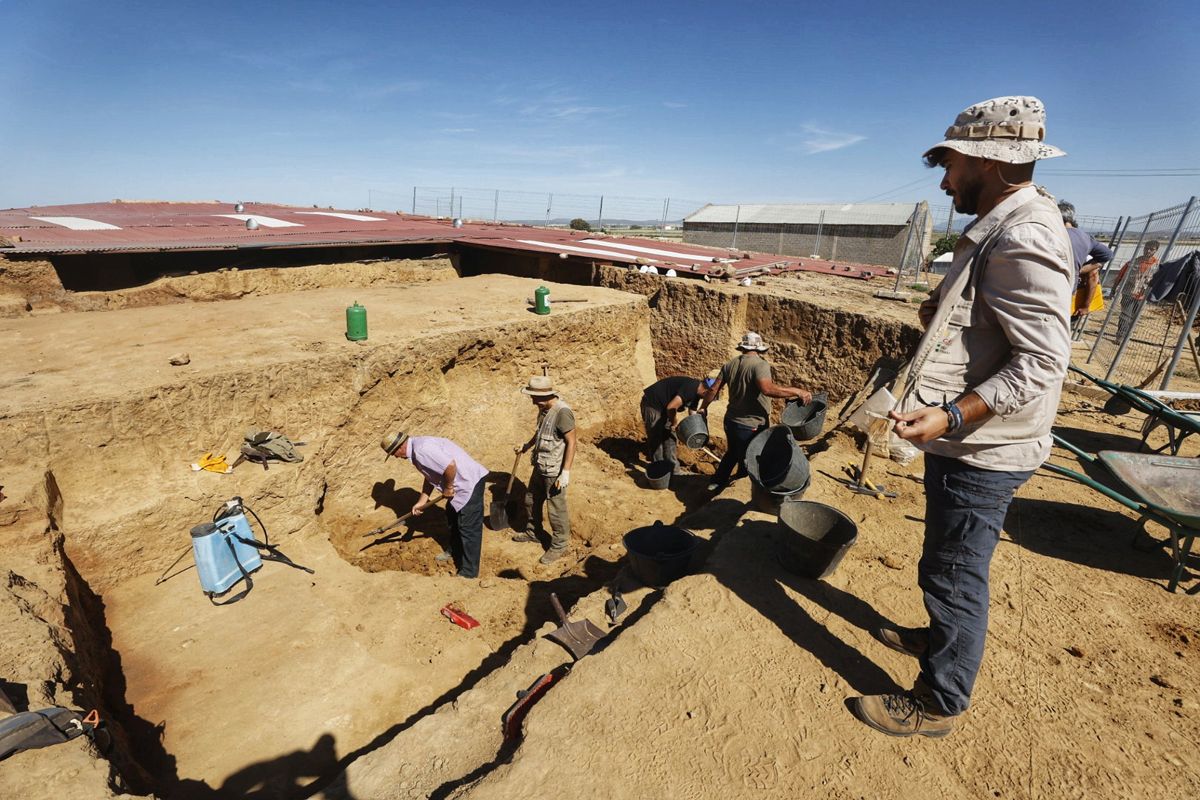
column 980, row 395
column 553, row 445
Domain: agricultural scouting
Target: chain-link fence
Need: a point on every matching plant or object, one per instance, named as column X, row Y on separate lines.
column 1144, row 337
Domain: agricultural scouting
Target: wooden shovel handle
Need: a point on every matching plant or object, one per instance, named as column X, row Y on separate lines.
column 558, row 609
column 512, row 476
column 437, row 498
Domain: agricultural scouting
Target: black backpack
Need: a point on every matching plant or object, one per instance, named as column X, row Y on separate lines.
column 30, row 730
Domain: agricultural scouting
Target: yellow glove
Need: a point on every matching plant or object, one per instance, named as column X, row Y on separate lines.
column 211, row 463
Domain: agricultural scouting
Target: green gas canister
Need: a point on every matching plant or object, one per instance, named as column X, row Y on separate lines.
column 541, row 300
column 356, row 322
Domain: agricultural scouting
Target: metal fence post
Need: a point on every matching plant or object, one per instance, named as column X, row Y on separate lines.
column 549, row 205
column 414, row 200
column 600, row 219
column 820, row 224
column 912, row 226
column 950, row 220
column 736, row 218
column 1191, row 317
column 1112, row 306
column 1166, row 254
column 496, row 207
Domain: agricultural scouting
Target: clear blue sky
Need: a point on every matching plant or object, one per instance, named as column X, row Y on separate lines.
column 309, row 102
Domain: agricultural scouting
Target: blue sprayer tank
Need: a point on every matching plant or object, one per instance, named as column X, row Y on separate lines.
column 218, row 550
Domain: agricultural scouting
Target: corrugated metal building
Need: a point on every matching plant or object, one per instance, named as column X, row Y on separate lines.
column 865, row 233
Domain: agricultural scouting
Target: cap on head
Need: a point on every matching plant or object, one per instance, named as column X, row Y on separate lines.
column 1008, row 129
column 391, row 443
column 751, row 341
column 540, row 386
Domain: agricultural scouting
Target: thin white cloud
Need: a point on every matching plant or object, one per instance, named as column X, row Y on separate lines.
column 551, row 102
column 674, row 104
column 457, row 130
column 815, row 140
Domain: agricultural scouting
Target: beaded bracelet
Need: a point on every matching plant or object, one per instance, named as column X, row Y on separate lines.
column 954, row 417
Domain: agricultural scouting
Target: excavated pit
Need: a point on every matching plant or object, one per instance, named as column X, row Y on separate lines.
column 338, row 664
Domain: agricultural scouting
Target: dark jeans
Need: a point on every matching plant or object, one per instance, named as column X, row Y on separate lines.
column 737, row 437
column 466, row 533
column 964, row 512
column 660, row 445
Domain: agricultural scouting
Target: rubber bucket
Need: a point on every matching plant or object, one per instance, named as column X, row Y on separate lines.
column 769, row 502
column 806, row 420
column 658, row 554
column 815, row 538
column 692, row 432
column 658, row 474
column 775, row 461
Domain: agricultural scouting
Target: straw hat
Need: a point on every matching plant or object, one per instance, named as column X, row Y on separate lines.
column 391, row 443
column 1008, row 129
column 540, row 386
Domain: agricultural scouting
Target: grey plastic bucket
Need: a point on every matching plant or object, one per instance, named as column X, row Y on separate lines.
column 692, row 432
column 775, row 461
column 769, row 502
column 806, row 420
column 658, row 474
column 658, row 554
column 815, row 538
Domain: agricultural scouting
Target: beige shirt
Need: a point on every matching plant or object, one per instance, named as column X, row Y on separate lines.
column 1008, row 338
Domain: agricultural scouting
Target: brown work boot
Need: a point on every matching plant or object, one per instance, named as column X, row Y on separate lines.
column 910, row 641
column 525, row 536
column 552, row 555
column 906, row 714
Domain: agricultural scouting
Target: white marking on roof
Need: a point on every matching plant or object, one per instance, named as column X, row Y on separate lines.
column 650, row 250
column 266, row 222
column 78, row 223
column 590, row 251
column 339, row 215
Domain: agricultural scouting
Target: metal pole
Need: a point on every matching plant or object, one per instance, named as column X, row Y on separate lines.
column 779, row 250
column 736, row 217
column 664, row 214
column 950, row 220
column 414, row 200
column 1191, row 319
column 496, row 207
column 820, row 224
column 912, row 226
column 600, row 221
column 1166, row 254
column 1120, row 238
column 667, row 213
column 452, row 201
column 1112, row 306
column 549, row 205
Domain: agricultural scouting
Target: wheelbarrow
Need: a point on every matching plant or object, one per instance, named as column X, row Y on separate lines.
column 1161, row 488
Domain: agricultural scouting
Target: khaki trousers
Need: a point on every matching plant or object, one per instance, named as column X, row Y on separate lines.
column 543, row 494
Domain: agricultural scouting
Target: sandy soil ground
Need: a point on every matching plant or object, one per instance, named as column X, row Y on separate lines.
column 731, row 682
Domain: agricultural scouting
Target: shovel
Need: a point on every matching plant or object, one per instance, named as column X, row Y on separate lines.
column 432, row 502
column 498, row 514
column 578, row 637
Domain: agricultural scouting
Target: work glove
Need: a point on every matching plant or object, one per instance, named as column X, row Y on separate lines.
column 564, row 478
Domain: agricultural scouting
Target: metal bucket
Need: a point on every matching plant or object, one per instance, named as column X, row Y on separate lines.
column 658, row 474
column 775, row 461
column 693, row 431
column 658, row 554
column 815, row 538
column 806, row 420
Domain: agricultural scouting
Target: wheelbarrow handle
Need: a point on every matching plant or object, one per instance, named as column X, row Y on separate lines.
column 1132, row 505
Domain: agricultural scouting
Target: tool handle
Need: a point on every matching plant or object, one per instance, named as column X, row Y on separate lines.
column 558, row 609
column 512, row 476
column 437, row 498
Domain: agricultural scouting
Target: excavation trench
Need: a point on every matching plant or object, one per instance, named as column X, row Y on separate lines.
column 307, row 680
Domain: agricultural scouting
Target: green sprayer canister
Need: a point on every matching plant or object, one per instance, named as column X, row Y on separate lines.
column 356, row 322
column 541, row 300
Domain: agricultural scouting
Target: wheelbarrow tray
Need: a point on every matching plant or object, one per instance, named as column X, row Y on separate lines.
column 1168, row 484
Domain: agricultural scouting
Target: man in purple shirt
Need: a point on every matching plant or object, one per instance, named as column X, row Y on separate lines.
column 446, row 467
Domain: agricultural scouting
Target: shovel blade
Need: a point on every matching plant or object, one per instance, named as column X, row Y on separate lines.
column 498, row 515
column 577, row 637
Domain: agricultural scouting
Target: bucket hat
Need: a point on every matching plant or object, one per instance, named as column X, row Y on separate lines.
column 391, row 442
column 1008, row 129
column 752, row 341
column 540, row 386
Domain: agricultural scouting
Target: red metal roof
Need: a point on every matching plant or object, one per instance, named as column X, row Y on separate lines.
column 156, row 227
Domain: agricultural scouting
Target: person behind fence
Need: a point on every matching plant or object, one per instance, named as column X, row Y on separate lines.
column 748, row 376
column 446, row 467
column 981, row 398
column 553, row 444
column 1132, row 286
column 1089, row 256
column 661, row 403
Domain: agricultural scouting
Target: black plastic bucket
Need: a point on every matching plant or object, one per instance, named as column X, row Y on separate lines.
column 769, row 502
column 658, row 474
column 692, row 432
column 806, row 420
column 775, row 461
column 815, row 538
column 658, row 554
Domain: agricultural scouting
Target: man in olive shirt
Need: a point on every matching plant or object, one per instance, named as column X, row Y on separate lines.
column 661, row 404
column 748, row 377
